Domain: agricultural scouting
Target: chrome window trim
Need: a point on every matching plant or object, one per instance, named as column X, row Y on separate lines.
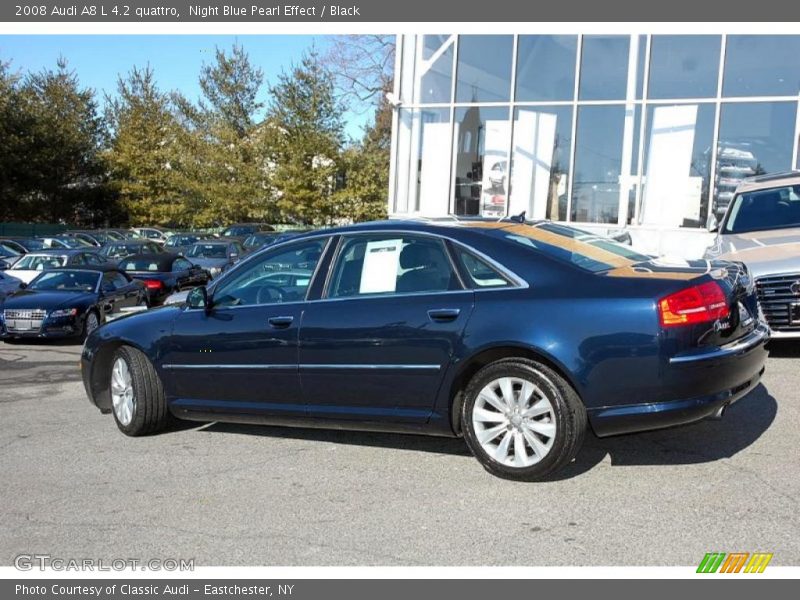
column 305, row 366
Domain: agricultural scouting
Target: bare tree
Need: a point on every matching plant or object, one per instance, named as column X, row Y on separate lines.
column 363, row 68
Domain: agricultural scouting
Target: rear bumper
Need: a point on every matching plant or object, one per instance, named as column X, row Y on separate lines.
column 737, row 367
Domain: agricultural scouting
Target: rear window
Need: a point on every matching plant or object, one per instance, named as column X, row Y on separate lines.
column 139, row 265
column 583, row 249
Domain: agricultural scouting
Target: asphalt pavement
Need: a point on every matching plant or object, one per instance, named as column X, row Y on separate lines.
column 74, row 486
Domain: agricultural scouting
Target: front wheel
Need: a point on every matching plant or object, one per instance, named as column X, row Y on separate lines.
column 91, row 323
column 522, row 420
column 137, row 396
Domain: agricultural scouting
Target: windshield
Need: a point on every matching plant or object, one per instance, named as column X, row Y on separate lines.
column 140, row 265
column 776, row 208
column 583, row 249
column 8, row 250
column 32, row 245
column 66, row 281
column 73, row 242
column 39, row 262
column 209, row 251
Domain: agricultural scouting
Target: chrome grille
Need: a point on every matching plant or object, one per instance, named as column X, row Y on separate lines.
column 20, row 320
column 776, row 299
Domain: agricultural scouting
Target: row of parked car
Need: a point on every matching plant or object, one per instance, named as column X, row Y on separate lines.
column 68, row 285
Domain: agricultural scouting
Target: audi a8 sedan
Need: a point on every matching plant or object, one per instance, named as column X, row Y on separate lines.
column 518, row 336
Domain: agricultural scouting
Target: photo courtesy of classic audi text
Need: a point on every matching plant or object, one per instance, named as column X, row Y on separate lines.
column 398, row 299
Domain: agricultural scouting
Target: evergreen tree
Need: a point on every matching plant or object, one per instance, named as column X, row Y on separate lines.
column 144, row 154
column 228, row 172
column 305, row 128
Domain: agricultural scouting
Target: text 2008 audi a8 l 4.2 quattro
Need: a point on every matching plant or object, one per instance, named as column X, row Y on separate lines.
column 516, row 336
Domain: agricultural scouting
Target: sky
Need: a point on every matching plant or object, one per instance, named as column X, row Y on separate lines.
column 176, row 59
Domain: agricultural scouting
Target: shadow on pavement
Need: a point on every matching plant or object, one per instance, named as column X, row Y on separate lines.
column 705, row 441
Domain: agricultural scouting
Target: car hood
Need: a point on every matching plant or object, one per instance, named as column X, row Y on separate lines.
column 48, row 300
column 764, row 252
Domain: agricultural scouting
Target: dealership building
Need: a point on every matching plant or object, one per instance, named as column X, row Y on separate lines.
column 649, row 134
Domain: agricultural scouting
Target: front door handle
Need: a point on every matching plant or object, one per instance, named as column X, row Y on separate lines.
column 443, row 315
column 280, row 322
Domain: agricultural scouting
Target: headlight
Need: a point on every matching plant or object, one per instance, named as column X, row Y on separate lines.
column 64, row 312
column 215, row 271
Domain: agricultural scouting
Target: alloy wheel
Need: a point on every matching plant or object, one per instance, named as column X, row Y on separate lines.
column 514, row 422
column 123, row 398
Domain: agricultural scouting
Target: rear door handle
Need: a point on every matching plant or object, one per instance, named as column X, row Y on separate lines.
column 443, row 315
column 280, row 322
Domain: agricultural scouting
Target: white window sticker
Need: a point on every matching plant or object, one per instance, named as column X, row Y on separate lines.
column 381, row 261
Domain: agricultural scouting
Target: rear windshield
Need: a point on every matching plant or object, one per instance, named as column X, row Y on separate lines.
column 208, row 251
column 777, row 208
column 581, row 248
column 140, row 265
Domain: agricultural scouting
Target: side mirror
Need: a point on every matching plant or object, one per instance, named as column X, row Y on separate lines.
column 713, row 224
column 198, row 299
column 23, row 285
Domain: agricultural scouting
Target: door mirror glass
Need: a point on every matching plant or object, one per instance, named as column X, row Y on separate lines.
column 198, row 298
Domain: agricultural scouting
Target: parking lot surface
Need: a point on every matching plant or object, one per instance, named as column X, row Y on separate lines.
column 74, row 486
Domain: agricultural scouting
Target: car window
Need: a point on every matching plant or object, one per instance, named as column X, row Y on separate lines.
column 776, row 208
column 381, row 264
column 480, row 274
column 78, row 259
column 181, row 264
column 120, row 281
column 255, row 284
column 39, row 263
column 92, row 259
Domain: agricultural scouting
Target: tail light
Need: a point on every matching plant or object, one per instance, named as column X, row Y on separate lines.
column 153, row 284
column 697, row 304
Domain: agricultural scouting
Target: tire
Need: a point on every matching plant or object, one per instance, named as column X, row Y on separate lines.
column 90, row 323
column 137, row 399
column 550, row 424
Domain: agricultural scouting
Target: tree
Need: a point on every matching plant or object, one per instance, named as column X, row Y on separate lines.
column 364, row 196
column 362, row 68
column 228, row 149
column 305, row 128
column 144, row 154
column 51, row 168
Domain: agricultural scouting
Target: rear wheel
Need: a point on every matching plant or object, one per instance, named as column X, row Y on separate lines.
column 522, row 420
column 137, row 396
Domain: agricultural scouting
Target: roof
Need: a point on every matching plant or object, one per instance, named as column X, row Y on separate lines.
column 97, row 268
column 765, row 182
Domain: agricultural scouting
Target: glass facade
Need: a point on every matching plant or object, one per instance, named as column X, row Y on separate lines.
column 651, row 130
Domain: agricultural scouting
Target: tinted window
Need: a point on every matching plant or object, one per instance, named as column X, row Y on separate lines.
column 684, row 66
column 484, row 68
column 120, row 281
column 604, row 67
column 546, row 67
column 391, row 265
column 208, row 251
column 254, row 284
column 480, row 273
column 92, row 259
column 761, row 65
column 777, row 208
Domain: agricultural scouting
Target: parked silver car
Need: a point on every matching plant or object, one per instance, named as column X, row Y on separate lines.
column 761, row 228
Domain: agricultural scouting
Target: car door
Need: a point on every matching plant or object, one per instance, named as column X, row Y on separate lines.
column 240, row 354
column 378, row 343
column 111, row 298
column 129, row 294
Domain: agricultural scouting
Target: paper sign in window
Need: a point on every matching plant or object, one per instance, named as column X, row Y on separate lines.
column 381, row 261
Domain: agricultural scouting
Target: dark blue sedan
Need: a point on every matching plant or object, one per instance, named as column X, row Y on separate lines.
column 516, row 336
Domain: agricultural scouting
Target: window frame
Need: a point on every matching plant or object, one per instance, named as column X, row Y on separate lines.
column 469, row 280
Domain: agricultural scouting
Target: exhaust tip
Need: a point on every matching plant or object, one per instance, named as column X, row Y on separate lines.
column 719, row 413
